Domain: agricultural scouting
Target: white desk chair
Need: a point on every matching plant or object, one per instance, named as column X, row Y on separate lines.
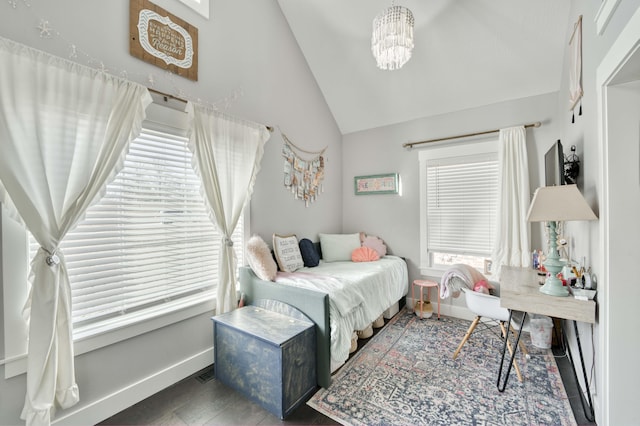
column 488, row 306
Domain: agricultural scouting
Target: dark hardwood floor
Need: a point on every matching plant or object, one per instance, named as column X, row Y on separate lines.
column 191, row 402
column 573, row 392
column 202, row 400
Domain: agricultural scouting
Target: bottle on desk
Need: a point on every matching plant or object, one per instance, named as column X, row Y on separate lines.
column 587, row 282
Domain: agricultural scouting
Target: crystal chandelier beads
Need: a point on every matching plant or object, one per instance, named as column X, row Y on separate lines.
column 392, row 38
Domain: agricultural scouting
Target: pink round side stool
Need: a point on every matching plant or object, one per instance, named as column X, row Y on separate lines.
column 428, row 284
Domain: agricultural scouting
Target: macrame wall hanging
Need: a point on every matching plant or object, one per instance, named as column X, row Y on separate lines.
column 303, row 176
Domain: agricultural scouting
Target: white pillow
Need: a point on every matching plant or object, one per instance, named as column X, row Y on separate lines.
column 337, row 247
column 287, row 252
column 260, row 259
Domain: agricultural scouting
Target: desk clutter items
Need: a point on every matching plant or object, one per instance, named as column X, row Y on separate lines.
column 582, row 283
column 537, row 260
column 582, row 294
column 303, row 176
column 555, row 205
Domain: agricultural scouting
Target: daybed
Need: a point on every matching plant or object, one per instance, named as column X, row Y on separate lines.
column 339, row 297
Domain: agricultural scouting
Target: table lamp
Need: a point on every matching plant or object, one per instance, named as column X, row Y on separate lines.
column 553, row 204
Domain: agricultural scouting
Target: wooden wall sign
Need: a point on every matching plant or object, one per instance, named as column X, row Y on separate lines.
column 162, row 39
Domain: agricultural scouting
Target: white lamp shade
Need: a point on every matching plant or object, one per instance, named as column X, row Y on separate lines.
column 559, row 203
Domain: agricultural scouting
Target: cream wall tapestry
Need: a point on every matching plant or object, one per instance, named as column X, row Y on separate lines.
column 303, row 176
column 575, row 70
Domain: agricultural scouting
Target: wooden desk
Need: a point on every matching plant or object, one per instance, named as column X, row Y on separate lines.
column 520, row 291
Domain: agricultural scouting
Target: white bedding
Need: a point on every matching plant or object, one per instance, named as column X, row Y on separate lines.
column 358, row 294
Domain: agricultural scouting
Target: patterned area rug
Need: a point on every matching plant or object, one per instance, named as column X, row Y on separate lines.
column 406, row 376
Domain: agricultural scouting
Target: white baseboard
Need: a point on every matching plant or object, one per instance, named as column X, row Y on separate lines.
column 457, row 312
column 97, row 411
column 447, row 309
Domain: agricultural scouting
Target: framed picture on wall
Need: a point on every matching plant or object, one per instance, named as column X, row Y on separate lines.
column 376, row 184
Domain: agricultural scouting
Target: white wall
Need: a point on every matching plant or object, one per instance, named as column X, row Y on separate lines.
column 618, row 85
column 395, row 218
column 608, row 351
column 584, row 132
column 623, row 293
column 584, row 236
column 246, row 52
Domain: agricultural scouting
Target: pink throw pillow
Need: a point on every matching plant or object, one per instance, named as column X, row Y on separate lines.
column 364, row 254
column 375, row 243
column 260, row 259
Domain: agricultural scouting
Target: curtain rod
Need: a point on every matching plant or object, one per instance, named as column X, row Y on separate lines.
column 168, row 96
column 486, row 132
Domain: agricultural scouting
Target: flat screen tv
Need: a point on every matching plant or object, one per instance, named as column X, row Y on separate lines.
column 554, row 165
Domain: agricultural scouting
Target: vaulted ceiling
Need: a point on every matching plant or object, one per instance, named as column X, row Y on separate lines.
column 468, row 53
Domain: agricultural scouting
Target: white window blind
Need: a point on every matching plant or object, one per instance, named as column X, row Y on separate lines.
column 149, row 241
column 461, row 204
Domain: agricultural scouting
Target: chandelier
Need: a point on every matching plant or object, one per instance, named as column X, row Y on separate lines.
column 392, row 38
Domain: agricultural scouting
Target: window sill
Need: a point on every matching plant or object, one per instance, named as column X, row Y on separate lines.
column 432, row 272
column 90, row 338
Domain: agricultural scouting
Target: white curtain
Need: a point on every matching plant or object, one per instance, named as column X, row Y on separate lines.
column 64, row 132
column 226, row 155
column 511, row 246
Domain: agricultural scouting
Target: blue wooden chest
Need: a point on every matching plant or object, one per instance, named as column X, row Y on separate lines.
column 267, row 355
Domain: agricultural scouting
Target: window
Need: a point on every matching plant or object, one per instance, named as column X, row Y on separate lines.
column 95, row 249
column 458, row 201
column 200, row 6
column 148, row 245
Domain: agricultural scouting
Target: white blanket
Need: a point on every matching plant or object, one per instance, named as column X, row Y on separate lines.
column 341, row 291
column 358, row 294
column 466, row 273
